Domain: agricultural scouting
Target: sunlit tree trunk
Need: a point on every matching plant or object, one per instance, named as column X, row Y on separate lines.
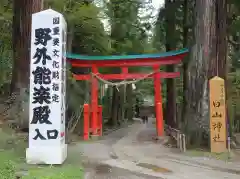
column 22, row 11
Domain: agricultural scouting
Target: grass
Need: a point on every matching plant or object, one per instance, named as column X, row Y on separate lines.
column 65, row 172
column 12, row 162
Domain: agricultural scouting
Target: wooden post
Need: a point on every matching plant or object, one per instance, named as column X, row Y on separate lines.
column 94, row 101
column 100, row 120
column 159, row 118
column 125, row 70
column 86, row 122
column 158, row 101
column 217, row 115
column 123, row 94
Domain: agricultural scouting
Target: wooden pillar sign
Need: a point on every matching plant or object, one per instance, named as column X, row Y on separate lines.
column 217, row 100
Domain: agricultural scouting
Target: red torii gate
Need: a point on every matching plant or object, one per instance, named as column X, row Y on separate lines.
column 152, row 60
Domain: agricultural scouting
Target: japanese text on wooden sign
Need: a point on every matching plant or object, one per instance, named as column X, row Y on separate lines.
column 217, row 115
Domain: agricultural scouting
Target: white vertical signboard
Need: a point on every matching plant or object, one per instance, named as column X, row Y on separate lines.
column 47, row 89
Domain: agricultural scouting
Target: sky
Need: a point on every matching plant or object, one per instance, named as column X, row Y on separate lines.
column 157, row 3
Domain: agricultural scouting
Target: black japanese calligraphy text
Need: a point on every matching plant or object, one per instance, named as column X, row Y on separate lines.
column 41, row 54
column 42, row 75
column 42, row 36
column 41, row 115
column 51, row 134
column 56, row 20
column 41, row 95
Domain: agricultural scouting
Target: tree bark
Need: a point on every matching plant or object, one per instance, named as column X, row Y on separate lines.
column 185, row 62
column 129, row 100
column 171, row 109
column 208, row 60
column 117, row 34
column 198, row 102
column 221, row 35
column 21, row 36
column 115, row 108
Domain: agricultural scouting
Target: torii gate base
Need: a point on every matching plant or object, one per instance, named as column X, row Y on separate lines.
column 94, row 62
column 86, row 122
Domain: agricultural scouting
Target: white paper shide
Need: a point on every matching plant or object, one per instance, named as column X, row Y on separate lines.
column 47, row 89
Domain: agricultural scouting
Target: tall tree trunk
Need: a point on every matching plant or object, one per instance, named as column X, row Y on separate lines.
column 198, row 97
column 117, row 34
column 221, row 34
column 129, row 100
column 221, row 45
column 185, row 61
column 208, row 60
column 170, row 113
column 70, row 37
column 23, row 11
column 115, row 108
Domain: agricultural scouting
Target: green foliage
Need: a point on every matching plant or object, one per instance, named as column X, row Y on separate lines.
column 10, row 167
column 7, row 170
column 159, row 32
column 233, row 83
column 84, row 26
column 75, row 92
column 13, row 164
column 128, row 30
column 5, row 44
column 8, row 156
column 89, row 34
column 5, row 67
column 233, row 89
column 5, row 23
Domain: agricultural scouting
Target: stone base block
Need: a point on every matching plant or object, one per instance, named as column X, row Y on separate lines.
column 50, row 155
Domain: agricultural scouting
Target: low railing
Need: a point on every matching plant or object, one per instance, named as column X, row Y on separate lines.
column 178, row 136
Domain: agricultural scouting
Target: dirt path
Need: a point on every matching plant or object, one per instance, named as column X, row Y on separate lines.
column 102, row 171
column 130, row 153
column 93, row 154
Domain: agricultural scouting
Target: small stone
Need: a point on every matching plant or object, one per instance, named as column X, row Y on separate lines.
column 21, row 173
column 10, row 141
